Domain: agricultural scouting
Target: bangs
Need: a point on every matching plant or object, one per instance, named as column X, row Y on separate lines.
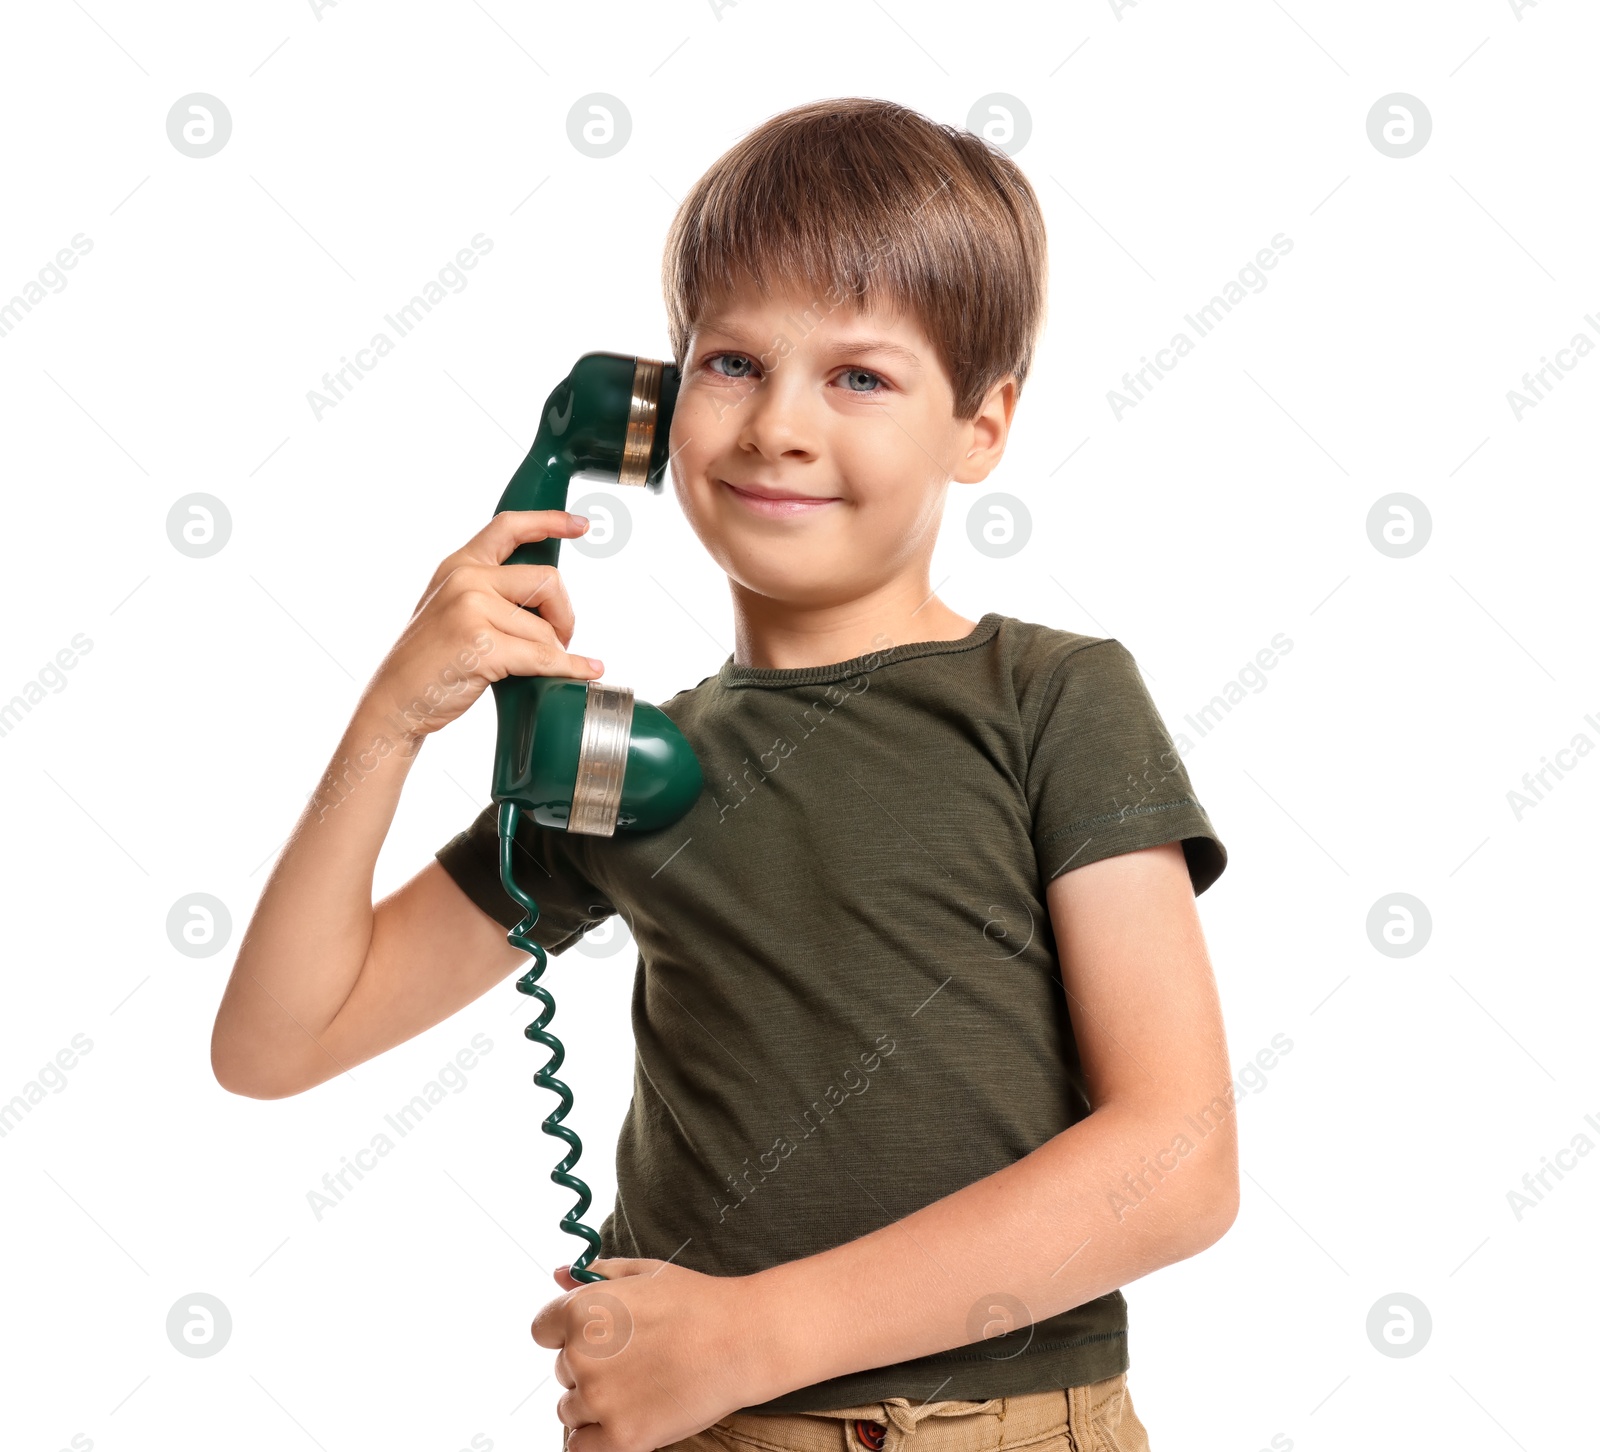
column 867, row 204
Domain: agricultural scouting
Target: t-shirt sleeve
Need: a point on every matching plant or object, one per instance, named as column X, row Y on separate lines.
column 545, row 863
column 1103, row 774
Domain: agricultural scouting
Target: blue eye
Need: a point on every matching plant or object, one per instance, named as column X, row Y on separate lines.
column 743, row 358
column 853, row 374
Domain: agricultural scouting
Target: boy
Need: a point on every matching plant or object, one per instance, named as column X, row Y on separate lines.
column 929, row 1053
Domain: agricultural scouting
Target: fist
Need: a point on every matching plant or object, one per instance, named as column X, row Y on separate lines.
column 478, row 621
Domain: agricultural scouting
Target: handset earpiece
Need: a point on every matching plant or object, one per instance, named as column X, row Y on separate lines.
column 579, row 756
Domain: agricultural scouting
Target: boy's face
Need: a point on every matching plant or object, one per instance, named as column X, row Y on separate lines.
column 845, row 415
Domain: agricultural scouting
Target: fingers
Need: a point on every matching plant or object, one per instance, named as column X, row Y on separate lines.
column 549, row 1328
column 519, row 655
column 534, row 589
column 513, row 527
column 537, row 588
column 571, row 1409
column 522, row 611
column 475, row 595
column 526, row 601
column 614, row 1266
column 573, row 1413
column 508, row 529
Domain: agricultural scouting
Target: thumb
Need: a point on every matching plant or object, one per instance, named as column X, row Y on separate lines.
column 616, row 1266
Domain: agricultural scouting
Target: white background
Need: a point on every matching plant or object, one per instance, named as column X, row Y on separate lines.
column 1169, row 143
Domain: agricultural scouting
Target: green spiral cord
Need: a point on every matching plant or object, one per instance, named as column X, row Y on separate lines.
column 510, row 813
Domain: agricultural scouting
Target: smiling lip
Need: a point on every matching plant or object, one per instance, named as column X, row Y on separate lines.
column 776, row 505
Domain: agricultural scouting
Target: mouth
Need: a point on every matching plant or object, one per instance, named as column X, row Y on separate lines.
column 776, row 506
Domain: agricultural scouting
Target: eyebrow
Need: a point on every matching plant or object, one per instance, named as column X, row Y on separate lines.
column 874, row 345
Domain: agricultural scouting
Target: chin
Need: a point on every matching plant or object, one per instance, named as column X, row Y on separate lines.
column 787, row 579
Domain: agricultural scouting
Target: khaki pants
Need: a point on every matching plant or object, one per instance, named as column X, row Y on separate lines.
column 1094, row 1418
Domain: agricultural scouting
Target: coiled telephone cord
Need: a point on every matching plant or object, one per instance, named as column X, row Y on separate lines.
column 510, row 815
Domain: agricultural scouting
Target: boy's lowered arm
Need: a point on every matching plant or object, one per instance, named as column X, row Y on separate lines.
column 325, row 979
column 1085, row 1213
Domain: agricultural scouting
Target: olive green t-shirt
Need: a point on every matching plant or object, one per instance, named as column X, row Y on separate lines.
column 847, row 1002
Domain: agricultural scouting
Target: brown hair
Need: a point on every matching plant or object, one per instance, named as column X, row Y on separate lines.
column 881, row 207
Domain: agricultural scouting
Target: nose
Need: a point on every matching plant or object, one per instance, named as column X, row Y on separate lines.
column 778, row 418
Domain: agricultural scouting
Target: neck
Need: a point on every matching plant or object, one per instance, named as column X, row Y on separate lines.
column 779, row 635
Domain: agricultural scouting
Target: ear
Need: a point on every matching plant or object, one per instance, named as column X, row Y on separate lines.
column 981, row 440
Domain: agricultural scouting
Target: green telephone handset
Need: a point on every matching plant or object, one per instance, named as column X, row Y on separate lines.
column 579, row 756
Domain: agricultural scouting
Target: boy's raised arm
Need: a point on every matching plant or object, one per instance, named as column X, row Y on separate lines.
column 323, row 978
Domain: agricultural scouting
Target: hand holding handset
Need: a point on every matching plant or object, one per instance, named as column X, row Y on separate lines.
column 579, row 756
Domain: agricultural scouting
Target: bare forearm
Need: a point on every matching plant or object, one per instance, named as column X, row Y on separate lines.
column 310, row 957
column 1059, row 1227
column 306, row 943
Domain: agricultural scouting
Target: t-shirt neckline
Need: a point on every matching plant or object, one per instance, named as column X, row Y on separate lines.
column 743, row 675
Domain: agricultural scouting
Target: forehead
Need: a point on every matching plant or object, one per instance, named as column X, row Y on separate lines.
column 753, row 313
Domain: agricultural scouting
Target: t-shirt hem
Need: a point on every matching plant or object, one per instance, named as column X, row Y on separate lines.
column 963, row 1375
column 466, row 869
column 1131, row 829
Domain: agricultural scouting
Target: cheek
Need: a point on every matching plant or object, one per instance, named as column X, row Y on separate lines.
column 702, row 423
column 898, row 451
column 686, row 448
